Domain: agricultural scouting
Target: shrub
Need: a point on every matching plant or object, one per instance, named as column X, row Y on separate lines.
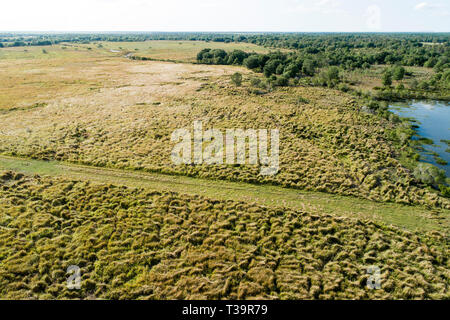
column 252, row 62
column 424, row 85
column 271, row 67
column 429, row 174
column 282, row 81
column 445, row 190
column 308, row 67
column 236, row 78
column 399, row 73
column 255, row 82
column 387, row 78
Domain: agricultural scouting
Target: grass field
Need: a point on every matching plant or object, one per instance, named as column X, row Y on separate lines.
column 326, row 144
column 30, row 76
column 142, row 244
column 69, row 70
column 183, row 51
column 371, row 78
column 406, row 217
column 87, row 179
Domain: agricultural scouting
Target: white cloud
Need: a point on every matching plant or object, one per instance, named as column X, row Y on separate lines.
column 421, row 6
column 322, row 6
column 435, row 8
column 220, row 15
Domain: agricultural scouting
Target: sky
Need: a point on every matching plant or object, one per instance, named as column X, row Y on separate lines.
column 226, row 15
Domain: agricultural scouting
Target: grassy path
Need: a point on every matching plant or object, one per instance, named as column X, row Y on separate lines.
column 409, row 217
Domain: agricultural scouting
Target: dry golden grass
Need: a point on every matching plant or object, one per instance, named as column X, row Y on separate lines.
column 99, row 108
column 29, row 76
column 126, row 122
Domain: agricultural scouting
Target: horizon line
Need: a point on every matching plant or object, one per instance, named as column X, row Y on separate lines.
column 205, row 31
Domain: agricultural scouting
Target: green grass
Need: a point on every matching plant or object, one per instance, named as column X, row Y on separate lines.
column 52, row 52
column 185, row 51
column 408, row 217
column 136, row 243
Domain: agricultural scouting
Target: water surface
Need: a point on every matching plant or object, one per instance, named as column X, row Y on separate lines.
column 433, row 119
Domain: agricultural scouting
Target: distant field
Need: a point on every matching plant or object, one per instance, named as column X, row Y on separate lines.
column 185, row 51
column 86, row 179
column 367, row 79
column 173, row 50
column 99, row 108
column 48, row 72
column 30, row 75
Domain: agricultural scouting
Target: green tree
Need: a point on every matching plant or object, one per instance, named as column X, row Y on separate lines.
column 237, row 57
column 333, row 74
column 271, row 67
column 424, row 85
column 219, row 56
column 387, row 78
column 399, row 73
column 281, row 81
column 202, row 54
column 280, row 69
column 292, row 70
column 308, row 67
column 252, row 62
column 430, row 63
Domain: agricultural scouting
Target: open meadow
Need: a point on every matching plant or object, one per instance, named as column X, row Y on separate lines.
column 126, row 121
column 142, row 227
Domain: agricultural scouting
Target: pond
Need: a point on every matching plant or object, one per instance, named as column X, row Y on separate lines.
column 433, row 121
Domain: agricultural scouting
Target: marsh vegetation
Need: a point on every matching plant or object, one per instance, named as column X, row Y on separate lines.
column 112, row 101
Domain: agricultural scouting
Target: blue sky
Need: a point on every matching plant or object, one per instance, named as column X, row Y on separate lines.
column 225, row 15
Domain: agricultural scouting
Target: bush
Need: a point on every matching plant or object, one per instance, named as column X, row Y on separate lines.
column 429, row 174
column 308, row 67
column 424, row 85
column 400, row 87
column 271, row 67
column 343, row 87
column 399, row 73
column 281, row 81
column 333, row 73
column 236, row 78
column 252, row 62
column 387, row 78
column 255, row 82
column 445, row 190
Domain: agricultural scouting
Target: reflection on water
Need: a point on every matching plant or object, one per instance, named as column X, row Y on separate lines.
column 433, row 119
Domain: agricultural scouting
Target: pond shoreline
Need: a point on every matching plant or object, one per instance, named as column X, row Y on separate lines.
column 430, row 121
